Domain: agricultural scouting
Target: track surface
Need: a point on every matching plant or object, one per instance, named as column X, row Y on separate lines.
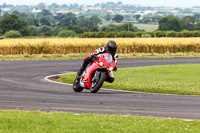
column 22, row 87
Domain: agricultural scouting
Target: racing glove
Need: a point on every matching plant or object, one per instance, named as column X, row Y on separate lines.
column 91, row 57
column 115, row 69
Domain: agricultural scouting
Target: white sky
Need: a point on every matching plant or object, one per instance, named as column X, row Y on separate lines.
column 171, row 3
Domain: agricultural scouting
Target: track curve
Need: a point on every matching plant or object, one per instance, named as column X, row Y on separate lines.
column 22, row 87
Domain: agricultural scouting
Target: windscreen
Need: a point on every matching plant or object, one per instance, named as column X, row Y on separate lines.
column 108, row 57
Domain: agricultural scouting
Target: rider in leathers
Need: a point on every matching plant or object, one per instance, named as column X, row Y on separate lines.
column 111, row 48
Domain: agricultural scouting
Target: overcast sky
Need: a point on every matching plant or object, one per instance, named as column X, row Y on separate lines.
column 171, row 3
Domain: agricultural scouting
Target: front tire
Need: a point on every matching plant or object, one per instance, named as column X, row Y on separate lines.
column 95, row 88
column 76, row 85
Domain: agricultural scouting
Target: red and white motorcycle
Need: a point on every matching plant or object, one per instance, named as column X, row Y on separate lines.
column 95, row 74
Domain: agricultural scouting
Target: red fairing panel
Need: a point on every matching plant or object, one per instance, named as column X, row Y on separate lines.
column 88, row 74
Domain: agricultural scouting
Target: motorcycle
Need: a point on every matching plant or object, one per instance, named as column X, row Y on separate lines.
column 95, row 74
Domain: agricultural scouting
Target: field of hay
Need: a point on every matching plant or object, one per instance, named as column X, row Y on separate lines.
column 87, row 45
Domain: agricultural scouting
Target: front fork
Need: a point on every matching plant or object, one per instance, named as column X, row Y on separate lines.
column 96, row 76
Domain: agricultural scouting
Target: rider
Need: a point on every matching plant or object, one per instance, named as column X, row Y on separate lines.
column 111, row 48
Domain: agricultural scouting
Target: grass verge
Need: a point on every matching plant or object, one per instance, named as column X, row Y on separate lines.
column 42, row 57
column 25, row 121
column 81, row 56
column 171, row 79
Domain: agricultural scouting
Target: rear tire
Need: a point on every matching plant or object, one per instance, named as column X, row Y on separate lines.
column 76, row 85
column 95, row 89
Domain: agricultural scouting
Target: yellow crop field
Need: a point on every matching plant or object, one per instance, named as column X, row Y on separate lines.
column 87, row 45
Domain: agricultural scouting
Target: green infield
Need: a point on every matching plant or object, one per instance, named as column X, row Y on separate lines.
column 171, row 79
column 29, row 121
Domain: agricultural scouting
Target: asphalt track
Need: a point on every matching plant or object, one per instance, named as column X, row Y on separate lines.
column 22, row 87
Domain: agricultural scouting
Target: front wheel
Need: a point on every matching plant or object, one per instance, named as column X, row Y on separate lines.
column 76, row 85
column 97, row 81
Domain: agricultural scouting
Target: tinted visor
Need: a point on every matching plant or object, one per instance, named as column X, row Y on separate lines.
column 112, row 50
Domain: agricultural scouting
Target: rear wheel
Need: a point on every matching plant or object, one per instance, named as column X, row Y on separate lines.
column 97, row 81
column 76, row 85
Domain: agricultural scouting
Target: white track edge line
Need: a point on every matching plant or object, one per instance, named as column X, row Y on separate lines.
column 47, row 79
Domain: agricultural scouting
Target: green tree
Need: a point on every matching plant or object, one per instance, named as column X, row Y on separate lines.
column 68, row 20
column 79, row 30
column 197, row 26
column 169, row 23
column 45, row 13
column 82, row 21
column 76, row 28
column 30, row 20
column 13, row 34
column 188, row 22
column 0, row 11
column 45, row 21
column 145, row 20
column 48, row 33
column 137, row 17
column 43, row 29
column 36, row 22
column 118, row 18
column 197, row 17
column 1, row 32
column 110, row 28
column 20, row 15
column 156, row 18
column 95, row 21
column 33, row 22
column 119, row 28
column 59, row 16
column 108, row 17
column 5, row 14
column 34, row 31
column 12, row 22
column 67, row 33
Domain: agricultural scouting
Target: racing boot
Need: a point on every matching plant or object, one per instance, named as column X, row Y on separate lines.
column 84, row 65
column 80, row 71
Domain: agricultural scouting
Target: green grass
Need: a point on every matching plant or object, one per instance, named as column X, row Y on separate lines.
column 24, row 121
column 147, row 27
column 43, row 57
column 171, row 79
column 81, row 56
column 37, row 58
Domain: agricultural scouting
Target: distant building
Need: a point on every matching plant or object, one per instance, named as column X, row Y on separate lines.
column 5, row 9
column 120, row 11
column 36, row 11
column 173, row 11
column 150, row 11
column 110, row 11
column 91, row 8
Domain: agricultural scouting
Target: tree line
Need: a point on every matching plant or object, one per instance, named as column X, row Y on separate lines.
column 190, row 23
column 45, row 23
column 139, row 34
